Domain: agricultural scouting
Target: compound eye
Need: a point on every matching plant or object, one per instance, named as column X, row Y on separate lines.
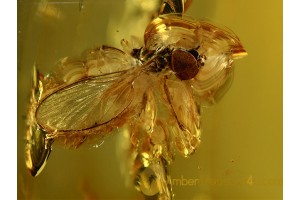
column 184, row 64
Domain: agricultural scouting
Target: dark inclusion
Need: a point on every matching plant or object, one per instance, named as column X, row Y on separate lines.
column 185, row 63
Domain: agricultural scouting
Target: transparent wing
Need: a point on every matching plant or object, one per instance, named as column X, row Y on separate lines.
column 220, row 46
column 75, row 100
column 217, row 44
column 178, row 31
column 87, row 103
column 187, row 134
column 216, row 40
column 93, row 62
column 213, row 79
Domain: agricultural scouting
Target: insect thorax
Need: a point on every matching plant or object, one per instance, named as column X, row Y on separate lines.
column 184, row 63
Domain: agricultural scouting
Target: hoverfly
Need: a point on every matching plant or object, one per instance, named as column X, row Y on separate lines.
column 154, row 90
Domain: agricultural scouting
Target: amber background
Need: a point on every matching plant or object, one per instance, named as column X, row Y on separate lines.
column 242, row 134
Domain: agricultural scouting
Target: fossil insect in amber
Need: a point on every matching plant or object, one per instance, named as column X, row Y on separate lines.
column 155, row 89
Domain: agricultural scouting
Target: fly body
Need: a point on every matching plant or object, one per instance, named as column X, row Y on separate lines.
column 156, row 90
